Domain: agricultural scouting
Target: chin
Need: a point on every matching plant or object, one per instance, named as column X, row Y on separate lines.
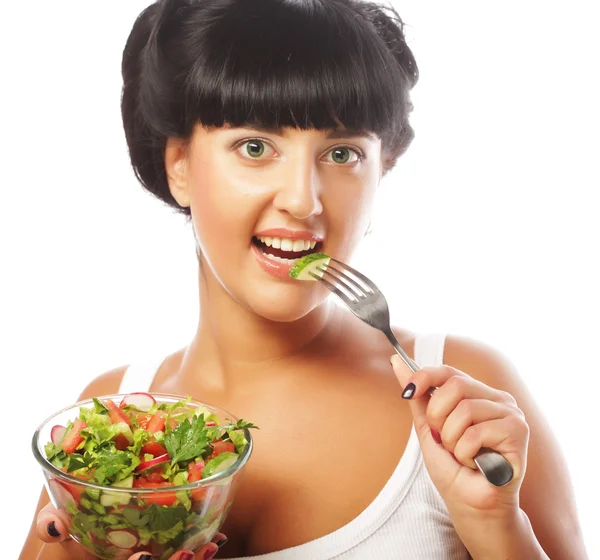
column 286, row 304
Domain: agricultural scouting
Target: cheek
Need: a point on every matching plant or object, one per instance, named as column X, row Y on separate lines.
column 221, row 209
column 349, row 213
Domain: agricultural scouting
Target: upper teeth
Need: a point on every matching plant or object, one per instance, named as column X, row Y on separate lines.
column 296, row 245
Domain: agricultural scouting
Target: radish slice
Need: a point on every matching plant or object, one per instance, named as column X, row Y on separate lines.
column 123, row 538
column 61, row 493
column 57, row 434
column 152, row 463
column 141, row 401
column 210, row 424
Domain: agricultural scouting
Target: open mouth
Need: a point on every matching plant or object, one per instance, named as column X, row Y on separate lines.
column 286, row 250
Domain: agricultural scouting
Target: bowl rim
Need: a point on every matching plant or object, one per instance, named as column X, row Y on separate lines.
column 48, row 466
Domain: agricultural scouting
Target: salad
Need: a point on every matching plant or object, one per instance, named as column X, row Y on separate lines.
column 140, row 445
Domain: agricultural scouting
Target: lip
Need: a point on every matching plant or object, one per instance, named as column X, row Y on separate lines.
column 275, row 268
column 290, row 234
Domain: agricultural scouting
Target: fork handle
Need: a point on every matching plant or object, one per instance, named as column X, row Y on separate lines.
column 494, row 466
column 405, row 357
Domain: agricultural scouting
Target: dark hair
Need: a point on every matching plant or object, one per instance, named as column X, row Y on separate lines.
column 300, row 63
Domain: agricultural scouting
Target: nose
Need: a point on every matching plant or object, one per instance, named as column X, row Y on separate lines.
column 299, row 193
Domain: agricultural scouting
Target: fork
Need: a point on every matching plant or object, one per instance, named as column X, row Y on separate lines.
column 368, row 303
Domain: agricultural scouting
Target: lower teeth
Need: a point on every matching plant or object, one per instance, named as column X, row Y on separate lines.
column 280, row 259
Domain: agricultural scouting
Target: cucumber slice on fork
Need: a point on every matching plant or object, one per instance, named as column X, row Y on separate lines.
column 310, row 263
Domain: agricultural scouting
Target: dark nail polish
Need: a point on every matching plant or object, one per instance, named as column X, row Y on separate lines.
column 145, row 557
column 208, row 556
column 52, row 530
column 222, row 543
column 436, row 436
column 409, row 391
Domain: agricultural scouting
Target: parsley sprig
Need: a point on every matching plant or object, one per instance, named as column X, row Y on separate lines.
column 187, row 441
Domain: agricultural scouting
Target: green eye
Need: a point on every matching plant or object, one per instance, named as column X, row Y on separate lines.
column 255, row 148
column 343, row 155
column 340, row 155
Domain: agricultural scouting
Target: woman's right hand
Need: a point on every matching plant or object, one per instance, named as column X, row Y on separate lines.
column 51, row 527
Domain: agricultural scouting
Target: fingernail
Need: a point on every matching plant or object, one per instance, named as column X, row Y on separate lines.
column 52, row 530
column 222, row 543
column 145, row 557
column 209, row 554
column 409, row 391
column 436, row 436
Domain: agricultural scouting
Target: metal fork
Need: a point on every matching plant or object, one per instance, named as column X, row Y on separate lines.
column 368, row 303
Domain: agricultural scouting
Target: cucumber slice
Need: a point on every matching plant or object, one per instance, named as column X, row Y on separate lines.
column 302, row 269
column 125, row 483
column 111, row 499
column 108, row 498
column 219, row 464
column 194, row 540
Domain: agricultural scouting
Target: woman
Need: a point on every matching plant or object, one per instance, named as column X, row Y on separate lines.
column 272, row 121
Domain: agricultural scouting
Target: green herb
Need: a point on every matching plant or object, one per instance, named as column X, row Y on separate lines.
column 110, row 465
column 187, row 441
column 164, row 518
column 240, row 425
column 77, row 461
column 136, row 517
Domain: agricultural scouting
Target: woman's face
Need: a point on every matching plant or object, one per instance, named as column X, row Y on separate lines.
column 259, row 199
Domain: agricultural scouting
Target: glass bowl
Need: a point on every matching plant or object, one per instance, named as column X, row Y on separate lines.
column 112, row 522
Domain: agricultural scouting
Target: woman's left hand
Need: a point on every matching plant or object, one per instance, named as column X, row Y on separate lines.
column 465, row 415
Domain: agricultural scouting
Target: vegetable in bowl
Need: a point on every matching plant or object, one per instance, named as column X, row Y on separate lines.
column 154, row 472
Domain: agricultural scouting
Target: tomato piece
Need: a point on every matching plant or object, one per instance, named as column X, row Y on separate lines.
column 221, row 447
column 155, row 476
column 162, row 499
column 199, row 494
column 195, row 471
column 156, row 423
column 143, row 419
column 195, row 474
column 116, row 414
column 121, row 442
column 73, row 437
column 153, row 448
column 75, row 490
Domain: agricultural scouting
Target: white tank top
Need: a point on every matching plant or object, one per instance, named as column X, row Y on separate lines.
column 408, row 519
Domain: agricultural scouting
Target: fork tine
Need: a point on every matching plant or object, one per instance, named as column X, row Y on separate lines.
column 367, row 282
column 334, row 289
column 347, row 279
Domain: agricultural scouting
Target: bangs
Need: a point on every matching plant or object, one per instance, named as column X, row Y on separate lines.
column 297, row 63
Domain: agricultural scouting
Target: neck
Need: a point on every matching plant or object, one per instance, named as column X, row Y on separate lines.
column 233, row 342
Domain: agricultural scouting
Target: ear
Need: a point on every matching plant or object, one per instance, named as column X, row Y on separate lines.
column 176, row 170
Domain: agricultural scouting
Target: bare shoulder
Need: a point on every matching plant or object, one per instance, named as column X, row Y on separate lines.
column 547, row 494
column 483, row 362
column 105, row 384
column 110, row 381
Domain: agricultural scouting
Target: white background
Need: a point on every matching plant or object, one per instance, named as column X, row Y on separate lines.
column 488, row 227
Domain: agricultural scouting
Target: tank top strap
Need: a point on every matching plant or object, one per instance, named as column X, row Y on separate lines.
column 139, row 375
column 429, row 349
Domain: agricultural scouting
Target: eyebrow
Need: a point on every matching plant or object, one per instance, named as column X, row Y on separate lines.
column 332, row 134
